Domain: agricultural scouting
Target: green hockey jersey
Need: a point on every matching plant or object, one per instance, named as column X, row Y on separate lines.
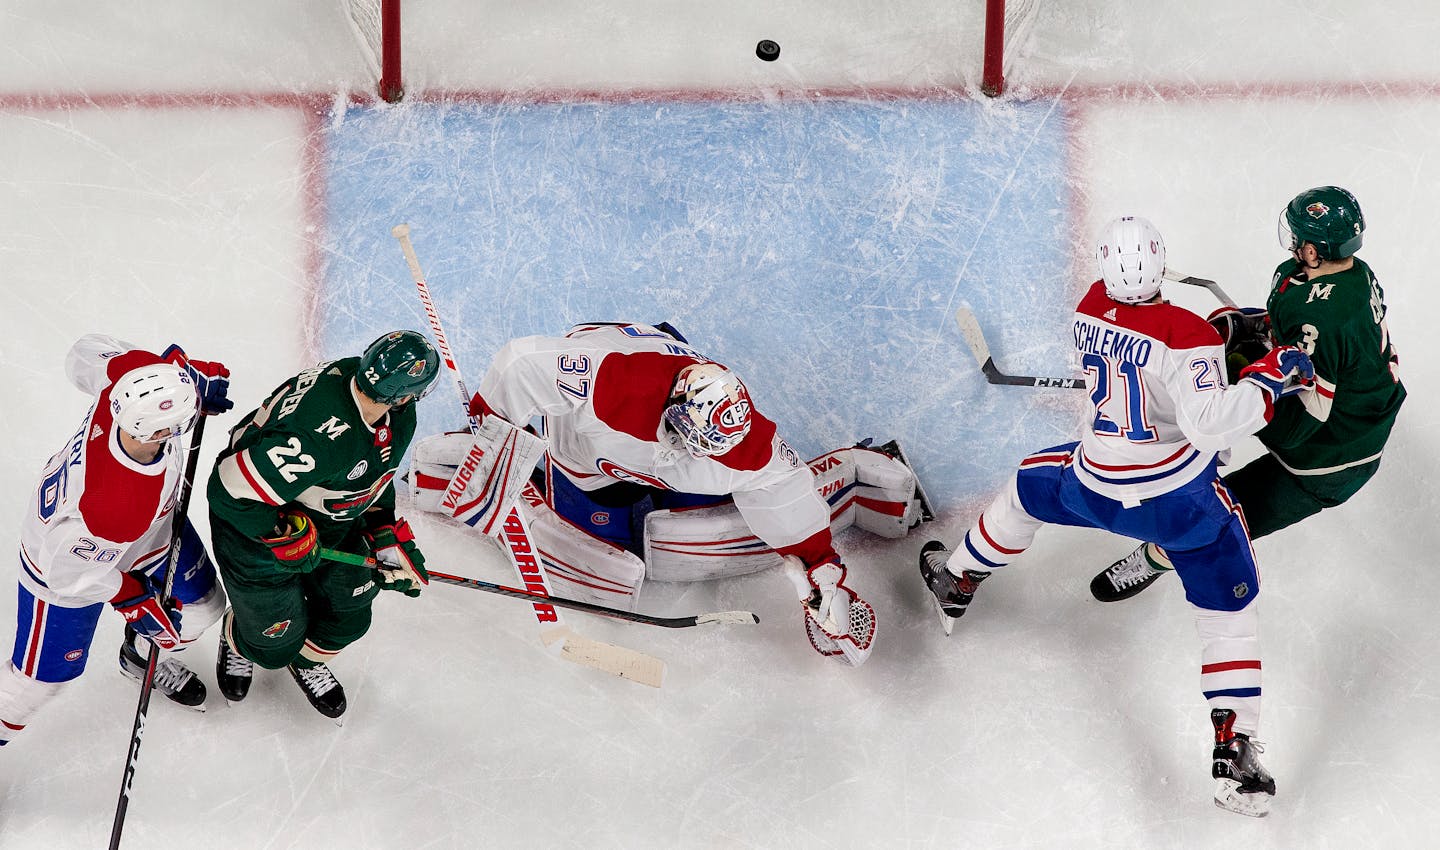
column 308, row 446
column 1339, row 320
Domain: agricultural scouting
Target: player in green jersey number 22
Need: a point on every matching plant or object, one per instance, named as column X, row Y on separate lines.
column 311, row 468
column 1323, row 445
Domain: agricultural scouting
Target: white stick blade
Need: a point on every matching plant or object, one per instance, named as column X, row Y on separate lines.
column 727, row 618
column 974, row 337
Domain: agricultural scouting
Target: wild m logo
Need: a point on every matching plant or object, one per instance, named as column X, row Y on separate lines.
column 1321, row 291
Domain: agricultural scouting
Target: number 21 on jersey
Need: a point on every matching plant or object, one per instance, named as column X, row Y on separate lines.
column 1119, row 399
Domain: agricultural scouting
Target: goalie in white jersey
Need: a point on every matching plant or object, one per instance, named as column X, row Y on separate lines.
column 652, row 449
column 1145, row 467
column 100, row 525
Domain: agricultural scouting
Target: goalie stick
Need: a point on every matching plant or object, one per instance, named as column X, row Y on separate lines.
column 717, row 617
column 515, row 535
column 975, row 338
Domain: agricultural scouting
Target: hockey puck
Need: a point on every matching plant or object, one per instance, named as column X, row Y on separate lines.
column 767, row 50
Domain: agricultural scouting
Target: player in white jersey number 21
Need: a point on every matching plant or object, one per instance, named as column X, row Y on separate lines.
column 1146, row 467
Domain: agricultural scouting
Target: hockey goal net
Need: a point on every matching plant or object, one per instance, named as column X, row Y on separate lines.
column 376, row 24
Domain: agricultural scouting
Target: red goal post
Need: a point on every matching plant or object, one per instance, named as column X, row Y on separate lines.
column 376, row 24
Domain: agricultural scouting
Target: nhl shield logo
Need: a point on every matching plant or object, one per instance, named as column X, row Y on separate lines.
column 277, row 630
column 1242, row 590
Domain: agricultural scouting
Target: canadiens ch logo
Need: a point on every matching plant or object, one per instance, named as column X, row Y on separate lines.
column 277, row 630
column 74, row 654
column 358, row 471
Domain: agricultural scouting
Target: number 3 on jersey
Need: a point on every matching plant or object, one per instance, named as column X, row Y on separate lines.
column 1118, row 397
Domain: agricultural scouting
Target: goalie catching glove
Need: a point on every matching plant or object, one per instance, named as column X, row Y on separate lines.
column 839, row 623
column 401, row 564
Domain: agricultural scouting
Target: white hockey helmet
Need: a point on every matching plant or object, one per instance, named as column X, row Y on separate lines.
column 1131, row 255
column 160, row 397
column 709, row 409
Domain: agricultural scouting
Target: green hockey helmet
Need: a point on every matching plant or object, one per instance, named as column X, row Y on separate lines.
column 1328, row 218
column 398, row 368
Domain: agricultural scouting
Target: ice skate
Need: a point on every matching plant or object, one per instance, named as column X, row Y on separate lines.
column 1125, row 578
column 1244, row 786
column 321, row 688
column 177, row 682
column 233, row 672
column 950, row 594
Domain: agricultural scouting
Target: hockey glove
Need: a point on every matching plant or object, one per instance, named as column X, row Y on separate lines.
column 1284, row 371
column 838, row 622
column 295, row 545
column 211, row 378
column 1246, row 334
column 142, row 608
column 402, row 564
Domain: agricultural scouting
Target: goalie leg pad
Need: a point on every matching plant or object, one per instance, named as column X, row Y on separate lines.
column 581, row 566
column 699, row 544
column 869, row 489
column 483, row 475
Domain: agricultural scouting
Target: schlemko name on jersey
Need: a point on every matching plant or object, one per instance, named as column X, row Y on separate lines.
column 1108, row 342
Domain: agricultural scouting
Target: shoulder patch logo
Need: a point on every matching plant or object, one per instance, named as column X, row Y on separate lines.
column 358, row 471
column 277, row 630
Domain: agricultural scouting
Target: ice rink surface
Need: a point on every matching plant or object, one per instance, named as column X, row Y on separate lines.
column 200, row 174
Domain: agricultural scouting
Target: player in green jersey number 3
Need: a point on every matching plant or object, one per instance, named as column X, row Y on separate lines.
column 1326, row 443
column 311, row 468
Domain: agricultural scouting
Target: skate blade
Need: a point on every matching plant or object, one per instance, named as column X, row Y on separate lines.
column 947, row 622
column 1229, row 798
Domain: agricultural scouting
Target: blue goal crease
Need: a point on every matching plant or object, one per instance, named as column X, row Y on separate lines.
column 818, row 248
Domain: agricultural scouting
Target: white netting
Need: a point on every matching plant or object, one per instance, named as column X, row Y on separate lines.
column 364, row 18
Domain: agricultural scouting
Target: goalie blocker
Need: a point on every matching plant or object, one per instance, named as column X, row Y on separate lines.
column 870, row 488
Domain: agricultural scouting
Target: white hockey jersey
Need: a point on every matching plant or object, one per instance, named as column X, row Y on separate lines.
column 96, row 511
column 602, row 389
column 1160, row 407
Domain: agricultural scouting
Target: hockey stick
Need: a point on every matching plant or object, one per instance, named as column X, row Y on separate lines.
column 1181, row 277
column 137, row 729
column 719, row 617
column 519, row 548
column 975, row 338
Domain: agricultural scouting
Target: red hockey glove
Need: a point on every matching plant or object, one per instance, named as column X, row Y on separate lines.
column 295, row 546
column 211, row 378
column 138, row 603
column 402, row 564
column 1274, row 371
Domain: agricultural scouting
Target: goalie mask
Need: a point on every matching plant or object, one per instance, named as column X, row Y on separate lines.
column 1328, row 218
column 1131, row 255
column 152, row 399
column 709, row 409
column 398, row 368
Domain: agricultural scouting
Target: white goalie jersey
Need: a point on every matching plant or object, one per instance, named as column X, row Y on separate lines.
column 97, row 512
column 1159, row 401
column 601, row 391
